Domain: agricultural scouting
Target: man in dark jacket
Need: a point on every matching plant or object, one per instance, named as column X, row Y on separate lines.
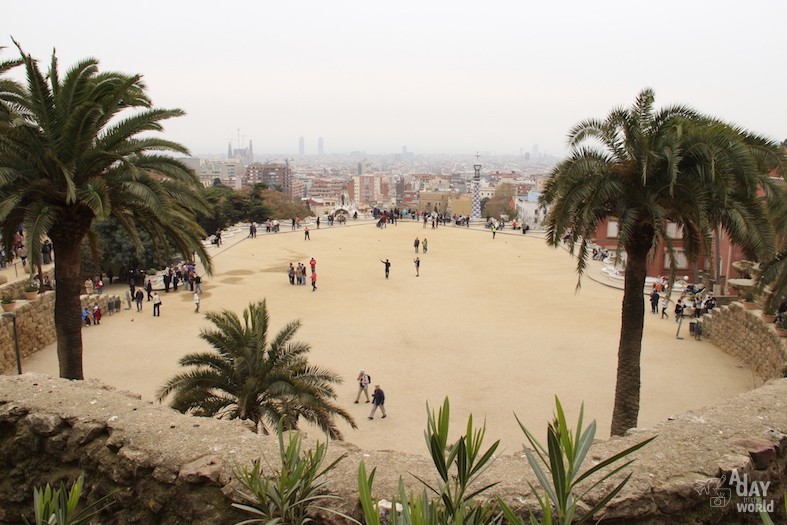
column 378, row 400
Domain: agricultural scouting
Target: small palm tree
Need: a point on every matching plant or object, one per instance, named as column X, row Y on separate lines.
column 647, row 169
column 249, row 377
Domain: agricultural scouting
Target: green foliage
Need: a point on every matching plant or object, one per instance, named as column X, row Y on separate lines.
column 7, row 299
column 458, row 464
column 557, row 468
column 293, row 492
column 257, row 204
column 59, row 506
column 248, row 376
column 118, row 251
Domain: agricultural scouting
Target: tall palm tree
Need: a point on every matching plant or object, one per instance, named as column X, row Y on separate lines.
column 774, row 271
column 647, row 169
column 249, row 377
column 79, row 149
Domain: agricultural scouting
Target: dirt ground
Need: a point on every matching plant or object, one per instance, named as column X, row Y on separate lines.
column 493, row 324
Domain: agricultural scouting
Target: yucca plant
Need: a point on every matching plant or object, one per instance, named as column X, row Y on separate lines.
column 458, row 465
column 59, row 506
column 292, row 493
column 409, row 509
column 558, row 468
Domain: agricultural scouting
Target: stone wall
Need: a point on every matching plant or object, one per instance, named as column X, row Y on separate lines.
column 162, row 467
column 743, row 334
column 35, row 325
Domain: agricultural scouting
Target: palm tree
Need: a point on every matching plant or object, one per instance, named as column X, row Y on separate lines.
column 249, row 377
column 74, row 153
column 10, row 92
column 773, row 276
column 647, row 169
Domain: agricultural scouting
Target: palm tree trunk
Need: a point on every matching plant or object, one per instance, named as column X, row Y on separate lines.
column 68, row 309
column 627, row 387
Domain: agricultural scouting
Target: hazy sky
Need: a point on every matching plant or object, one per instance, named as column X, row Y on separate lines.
column 439, row 77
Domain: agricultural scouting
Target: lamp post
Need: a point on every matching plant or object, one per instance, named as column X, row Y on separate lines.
column 12, row 316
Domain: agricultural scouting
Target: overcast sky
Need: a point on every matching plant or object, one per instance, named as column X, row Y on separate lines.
column 438, row 77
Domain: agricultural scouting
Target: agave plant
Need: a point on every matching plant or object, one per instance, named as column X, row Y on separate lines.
column 558, row 468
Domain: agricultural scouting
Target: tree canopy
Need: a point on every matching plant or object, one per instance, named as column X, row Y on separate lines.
column 649, row 169
column 82, row 146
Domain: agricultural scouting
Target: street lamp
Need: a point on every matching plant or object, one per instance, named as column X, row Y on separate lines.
column 12, row 316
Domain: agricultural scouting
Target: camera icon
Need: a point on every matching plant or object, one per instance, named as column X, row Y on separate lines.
column 721, row 499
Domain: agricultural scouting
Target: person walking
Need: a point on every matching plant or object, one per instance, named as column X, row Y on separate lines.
column 387, row 267
column 363, row 385
column 424, row 245
column 156, row 305
column 494, row 231
column 197, row 283
column 654, row 302
column 417, row 262
column 149, row 287
column 314, row 280
column 378, row 400
column 306, row 234
column 313, row 265
column 196, row 303
column 664, row 304
column 139, row 295
column 416, row 243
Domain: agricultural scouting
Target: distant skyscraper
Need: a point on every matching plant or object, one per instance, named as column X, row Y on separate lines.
column 535, row 151
column 229, row 150
column 320, row 147
column 404, row 150
column 301, row 147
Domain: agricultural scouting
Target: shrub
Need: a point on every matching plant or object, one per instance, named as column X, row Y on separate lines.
column 291, row 494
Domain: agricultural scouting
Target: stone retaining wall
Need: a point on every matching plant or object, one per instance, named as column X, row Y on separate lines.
column 163, row 467
column 743, row 334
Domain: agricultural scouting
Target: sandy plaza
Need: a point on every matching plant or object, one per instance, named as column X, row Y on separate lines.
column 493, row 324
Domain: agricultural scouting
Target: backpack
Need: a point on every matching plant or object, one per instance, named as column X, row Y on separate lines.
column 368, row 379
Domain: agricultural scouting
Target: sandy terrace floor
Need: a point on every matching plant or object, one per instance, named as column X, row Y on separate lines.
column 495, row 325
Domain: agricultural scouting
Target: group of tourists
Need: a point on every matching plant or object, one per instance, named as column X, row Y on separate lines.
column 19, row 251
column 297, row 275
column 91, row 317
column 701, row 303
column 185, row 273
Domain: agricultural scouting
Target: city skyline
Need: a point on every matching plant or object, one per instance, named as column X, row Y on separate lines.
column 434, row 77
